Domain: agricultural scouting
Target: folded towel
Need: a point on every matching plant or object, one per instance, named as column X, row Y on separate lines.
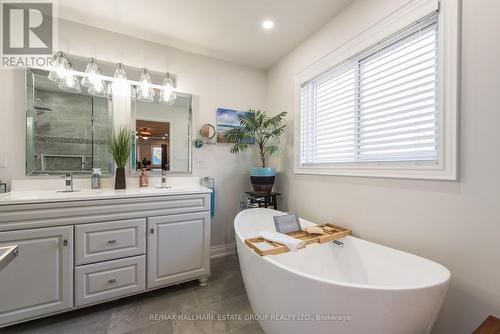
column 288, row 241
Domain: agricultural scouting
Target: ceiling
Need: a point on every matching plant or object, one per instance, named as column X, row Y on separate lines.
column 225, row 29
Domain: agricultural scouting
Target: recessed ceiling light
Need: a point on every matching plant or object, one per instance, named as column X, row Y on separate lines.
column 267, row 24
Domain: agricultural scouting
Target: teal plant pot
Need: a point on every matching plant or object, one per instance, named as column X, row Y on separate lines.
column 262, row 179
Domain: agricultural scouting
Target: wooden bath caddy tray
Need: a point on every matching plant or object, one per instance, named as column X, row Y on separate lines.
column 333, row 232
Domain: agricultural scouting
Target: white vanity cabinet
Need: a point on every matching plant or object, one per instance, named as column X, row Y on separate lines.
column 39, row 280
column 90, row 248
column 177, row 248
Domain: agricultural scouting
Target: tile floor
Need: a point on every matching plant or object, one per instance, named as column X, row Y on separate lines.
column 151, row 312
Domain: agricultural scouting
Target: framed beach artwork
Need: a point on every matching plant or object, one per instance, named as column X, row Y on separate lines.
column 227, row 119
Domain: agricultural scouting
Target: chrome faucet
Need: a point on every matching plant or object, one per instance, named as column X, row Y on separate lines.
column 163, row 178
column 68, row 182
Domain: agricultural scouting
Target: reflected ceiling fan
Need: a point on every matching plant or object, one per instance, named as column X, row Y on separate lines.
column 144, row 133
column 149, row 133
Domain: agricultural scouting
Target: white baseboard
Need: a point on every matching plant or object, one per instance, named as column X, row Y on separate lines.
column 222, row 250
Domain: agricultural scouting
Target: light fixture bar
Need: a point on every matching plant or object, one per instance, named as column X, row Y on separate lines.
column 103, row 77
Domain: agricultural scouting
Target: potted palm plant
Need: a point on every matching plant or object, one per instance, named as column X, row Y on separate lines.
column 261, row 132
column 119, row 145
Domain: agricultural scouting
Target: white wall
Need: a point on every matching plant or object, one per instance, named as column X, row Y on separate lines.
column 213, row 83
column 454, row 223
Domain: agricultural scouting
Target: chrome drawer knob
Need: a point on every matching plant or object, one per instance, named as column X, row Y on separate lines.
column 112, row 280
column 112, row 242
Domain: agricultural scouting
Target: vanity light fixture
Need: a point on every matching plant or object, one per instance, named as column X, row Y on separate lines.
column 60, row 67
column 121, row 87
column 69, row 82
column 104, row 86
column 98, row 87
column 120, row 72
column 145, row 92
column 109, row 90
column 167, row 93
column 93, row 80
column 91, row 72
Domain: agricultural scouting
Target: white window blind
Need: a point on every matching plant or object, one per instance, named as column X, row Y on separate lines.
column 381, row 105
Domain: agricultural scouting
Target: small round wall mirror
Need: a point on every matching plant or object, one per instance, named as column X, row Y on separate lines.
column 207, row 131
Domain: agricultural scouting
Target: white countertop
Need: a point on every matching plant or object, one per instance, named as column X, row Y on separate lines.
column 29, row 197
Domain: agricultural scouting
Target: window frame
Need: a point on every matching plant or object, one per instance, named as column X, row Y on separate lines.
column 448, row 28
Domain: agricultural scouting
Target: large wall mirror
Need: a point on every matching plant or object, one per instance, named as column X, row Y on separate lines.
column 65, row 131
column 162, row 135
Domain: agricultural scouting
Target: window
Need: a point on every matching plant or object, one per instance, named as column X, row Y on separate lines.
column 156, row 154
column 381, row 112
column 380, row 106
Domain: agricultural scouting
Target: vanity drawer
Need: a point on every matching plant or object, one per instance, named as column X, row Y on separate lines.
column 109, row 280
column 109, row 240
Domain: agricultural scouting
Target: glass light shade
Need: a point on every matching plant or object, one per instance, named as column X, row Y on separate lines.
column 109, row 90
column 120, row 72
column 121, row 86
column 91, row 72
column 100, row 89
column 70, row 83
column 167, row 93
column 60, row 67
column 145, row 92
column 172, row 98
column 97, row 86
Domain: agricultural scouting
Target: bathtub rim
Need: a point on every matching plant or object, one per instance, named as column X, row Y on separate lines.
column 269, row 258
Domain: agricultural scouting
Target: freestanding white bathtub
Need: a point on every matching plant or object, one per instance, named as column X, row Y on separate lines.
column 361, row 287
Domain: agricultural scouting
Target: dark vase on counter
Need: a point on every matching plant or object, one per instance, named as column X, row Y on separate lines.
column 120, row 182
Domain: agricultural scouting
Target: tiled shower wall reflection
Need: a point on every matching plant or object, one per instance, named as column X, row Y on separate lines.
column 70, row 132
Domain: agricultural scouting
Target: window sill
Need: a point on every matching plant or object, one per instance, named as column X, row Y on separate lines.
column 402, row 171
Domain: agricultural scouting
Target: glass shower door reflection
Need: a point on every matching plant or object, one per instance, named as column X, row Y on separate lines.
column 66, row 132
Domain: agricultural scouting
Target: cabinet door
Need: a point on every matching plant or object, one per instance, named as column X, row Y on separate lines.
column 39, row 280
column 178, row 248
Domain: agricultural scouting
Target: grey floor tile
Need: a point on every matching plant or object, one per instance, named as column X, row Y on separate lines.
column 230, row 315
column 252, row 328
column 160, row 327
column 185, row 327
column 146, row 311
column 224, row 270
column 93, row 320
column 220, row 289
column 223, row 259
